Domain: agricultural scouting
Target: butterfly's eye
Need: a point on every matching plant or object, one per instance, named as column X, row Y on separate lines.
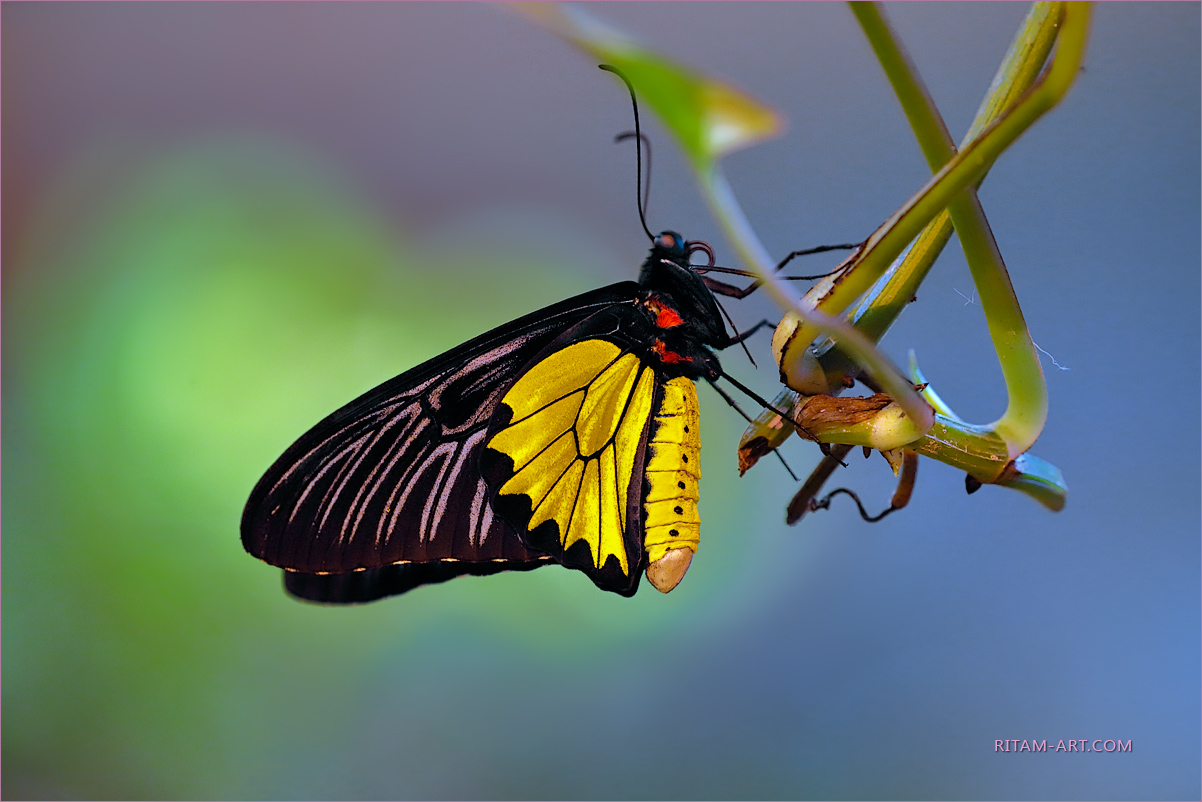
column 667, row 240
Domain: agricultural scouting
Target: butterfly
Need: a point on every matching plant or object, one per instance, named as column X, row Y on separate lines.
column 567, row 436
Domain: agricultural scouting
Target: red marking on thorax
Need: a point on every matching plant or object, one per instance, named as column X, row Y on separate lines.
column 666, row 318
column 665, row 355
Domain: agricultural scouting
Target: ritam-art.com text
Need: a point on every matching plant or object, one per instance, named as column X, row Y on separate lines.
column 1072, row 745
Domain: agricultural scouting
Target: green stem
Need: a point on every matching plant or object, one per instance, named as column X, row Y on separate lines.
column 980, row 451
column 928, row 125
column 971, row 163
column 983, row 454
column 879, row 308
column 1027, row 405
column 965, row 169
column 974, row 449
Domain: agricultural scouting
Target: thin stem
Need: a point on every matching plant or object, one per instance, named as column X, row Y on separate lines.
column 1026, row 409
column 925, row 119
column 965, row 169
column 879, row 308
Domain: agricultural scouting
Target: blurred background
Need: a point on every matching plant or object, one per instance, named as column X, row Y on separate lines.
column 222, row 221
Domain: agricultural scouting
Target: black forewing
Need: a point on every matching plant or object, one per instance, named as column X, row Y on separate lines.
column 392, row 477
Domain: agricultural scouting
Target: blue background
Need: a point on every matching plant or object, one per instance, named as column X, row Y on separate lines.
column 224, row 220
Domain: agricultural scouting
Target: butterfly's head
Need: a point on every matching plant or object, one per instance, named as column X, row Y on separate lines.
column 669, row 259
column 667, row 270
column 671, row 246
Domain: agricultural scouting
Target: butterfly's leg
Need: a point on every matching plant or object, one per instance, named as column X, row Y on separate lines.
column 726, row 397
column 738, row 338
column 747, row 391
column 731, row 291
column 847, row 246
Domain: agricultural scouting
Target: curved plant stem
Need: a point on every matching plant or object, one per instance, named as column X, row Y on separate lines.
column 965, row 169
column 1026, row 410
column 880, row 307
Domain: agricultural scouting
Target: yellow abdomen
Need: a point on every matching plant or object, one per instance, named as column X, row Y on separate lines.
column 672, row 528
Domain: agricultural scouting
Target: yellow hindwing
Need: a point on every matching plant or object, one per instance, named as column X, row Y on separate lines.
column 578, row 418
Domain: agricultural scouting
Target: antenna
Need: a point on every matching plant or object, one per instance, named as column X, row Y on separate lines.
column 638, row 133
column 646, row 141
